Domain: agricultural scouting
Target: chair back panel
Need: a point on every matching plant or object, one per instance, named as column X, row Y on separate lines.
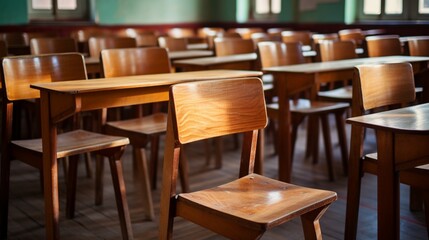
column 381, row 85
column 337, row 50
column 181, row 32
column 355, row 35
column 317, row 38
column 231, row 46
column 96, row 44
column 22, row 71
column 13, row 38
column 383, row 45
column 297, row 36
column 134, row 61
column 146, row 40
column 30, row 35
column 173, row 44
column 419, row 46
column 52, row 45
column 3, row 48
column 208, row 109
column 274, row 54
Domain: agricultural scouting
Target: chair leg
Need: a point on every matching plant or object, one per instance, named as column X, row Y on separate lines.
column 219, row 149
column 341, row 129
column 328, row 145
column 311, row 224
column 88, row 165
column 71, row 186
column 4, row 193
column 140, row 157
column 154, row 147
column 99, row 179
column 121, row 198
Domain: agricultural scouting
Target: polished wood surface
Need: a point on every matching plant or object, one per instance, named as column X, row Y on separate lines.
column 418, row 46
column 19, row 73
column 244, row 208
column 52, row 45
column 233, row 46
column 298, row 76
column 400, row 140
column 297, row 36
column 62, row 99
column 96, row 44
column 173, row 44
column 383, row 45
column 186, row 54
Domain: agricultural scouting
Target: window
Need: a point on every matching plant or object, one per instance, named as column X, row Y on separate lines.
column 58, row 9
column 266, row 9
column 393, row 9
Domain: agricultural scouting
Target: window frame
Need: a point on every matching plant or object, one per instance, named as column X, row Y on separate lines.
column 81, row 13
column 409, row 12
column 264, row 16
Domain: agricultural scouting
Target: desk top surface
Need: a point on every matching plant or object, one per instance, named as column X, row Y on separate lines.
column 414, row 119
column 189, row 54
column 342, row 64
column 151, row 80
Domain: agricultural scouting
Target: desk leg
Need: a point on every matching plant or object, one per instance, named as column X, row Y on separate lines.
column 50, row 173
column 387, row 188
column 284, row 133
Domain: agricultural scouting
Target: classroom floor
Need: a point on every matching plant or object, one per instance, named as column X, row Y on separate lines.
column 26, row 219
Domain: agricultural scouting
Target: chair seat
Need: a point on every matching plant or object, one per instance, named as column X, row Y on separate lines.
column 343, row 94
column 75, row 142
column 152, row 124
column 257, row 201
column 305, row 106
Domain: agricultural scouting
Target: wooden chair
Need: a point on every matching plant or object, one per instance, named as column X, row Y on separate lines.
column 143, row 130
column 134, row 32
column 375, row 87
column 18, row 74
column 173, row 44
column 244, row 208
column 354, row 35
column 297, row 36
column 146, row 40
column 3, row 49
column 245, row 33
column 82, row 37
column 181, row 32
column 279, row 54
column 383, row 45
column 418, row 46
column 276, row 33
column 52, row 45
column 30, row 35
column 230, row 46
column 209, row 31
column 211, row 38
column 15, row 43
column 317, row 38
column 331, row 51
column 96, row 44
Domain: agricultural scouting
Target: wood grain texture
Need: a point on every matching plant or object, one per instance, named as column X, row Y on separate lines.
column 52, row 45
column 232, row 46
column 96, row 44
column 383, row 45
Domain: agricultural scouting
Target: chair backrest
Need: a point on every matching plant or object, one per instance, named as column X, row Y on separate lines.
column 246, row 32
column 30, row 35
column 134, row 32
column 231, row 46
column 181, row 32
column 317, row 38
column 146, row 40
column 52, row 45
column 22, row 71
column 382, row 85
column 83, row 35
column 383, row 45
column 207, row 109
column 419, row 46
column 173, row 44
column 134, row 61
column 3, row 49
column 261, row 37
column 209, row 31
column 337, row 50
column 96, row 44
column 274, row 54
column 13, row 38
column 355, row 35
column 297, row 36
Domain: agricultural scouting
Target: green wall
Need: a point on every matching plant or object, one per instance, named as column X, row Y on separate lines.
column 13, row 12
column 111, row 12
column 140, row 12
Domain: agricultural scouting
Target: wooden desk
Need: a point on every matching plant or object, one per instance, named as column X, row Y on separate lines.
column 176, row 55
column 294, row 77
column 62, row 99
column 402, row 136
column 198, row 46
column 236, row 61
